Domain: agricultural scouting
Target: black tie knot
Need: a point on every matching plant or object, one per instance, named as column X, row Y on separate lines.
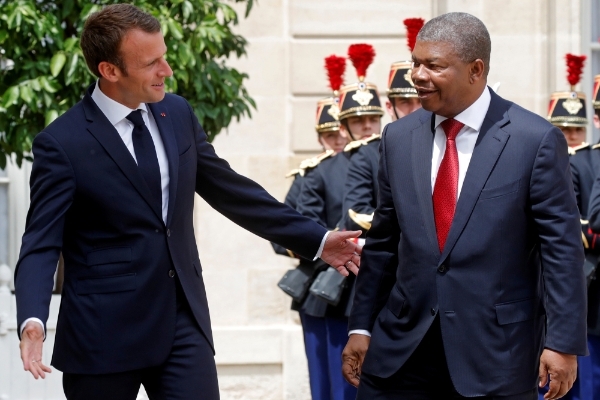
column 136, row 119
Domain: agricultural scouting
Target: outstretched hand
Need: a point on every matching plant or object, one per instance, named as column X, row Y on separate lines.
column 562, row 369
column 32, row 340
column 341, row 252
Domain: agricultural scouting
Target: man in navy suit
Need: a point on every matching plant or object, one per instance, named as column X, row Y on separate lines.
column 112, row 187
column 471, row 283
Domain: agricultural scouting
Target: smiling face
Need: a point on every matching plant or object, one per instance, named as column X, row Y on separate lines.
column 142, row 80
column 446, row 85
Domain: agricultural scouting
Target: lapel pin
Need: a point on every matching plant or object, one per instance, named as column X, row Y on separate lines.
column 163, row 114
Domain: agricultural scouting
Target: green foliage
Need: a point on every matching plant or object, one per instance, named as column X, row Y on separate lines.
column 49, row 75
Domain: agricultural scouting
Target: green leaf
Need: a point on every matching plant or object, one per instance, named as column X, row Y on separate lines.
column 71, row 68
column 57, row 63
column 3, row 36
column 26, row 93
column 50, row 116
column 187, row 9
column 70, row 44
column 175, row 29
column 50, row 86
column 10, row 97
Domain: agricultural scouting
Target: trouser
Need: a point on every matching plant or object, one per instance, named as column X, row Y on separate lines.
column 424, row 376
column 189, row 373
column 324, row 341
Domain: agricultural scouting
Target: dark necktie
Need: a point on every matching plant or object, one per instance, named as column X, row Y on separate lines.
column 145, row 154
column 446, row 183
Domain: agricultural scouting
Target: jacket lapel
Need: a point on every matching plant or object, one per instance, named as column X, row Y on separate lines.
column 109, row 138
column 490, row 144
column 165, row 127
column 422, row 147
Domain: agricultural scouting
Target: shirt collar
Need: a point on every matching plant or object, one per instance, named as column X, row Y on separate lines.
column 474, row 115
column 114, row 111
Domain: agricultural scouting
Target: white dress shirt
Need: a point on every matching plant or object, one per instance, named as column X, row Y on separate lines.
column 472, row 118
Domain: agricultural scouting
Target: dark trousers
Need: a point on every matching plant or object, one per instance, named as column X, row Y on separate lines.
column 189, row 373
column 424, row 376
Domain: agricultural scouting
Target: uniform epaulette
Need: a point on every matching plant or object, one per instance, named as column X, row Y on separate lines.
column 293, row 172
column 596, row 146
column 375, row 136
column 310, row 163
column 573, row 150
column 361, row 142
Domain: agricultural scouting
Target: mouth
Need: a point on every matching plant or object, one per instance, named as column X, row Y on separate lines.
column 159, row 85
column 425, row 93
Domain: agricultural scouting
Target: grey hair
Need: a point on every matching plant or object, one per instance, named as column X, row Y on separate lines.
column 468, row 35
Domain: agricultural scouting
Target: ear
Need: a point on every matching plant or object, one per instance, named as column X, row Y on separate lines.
column 389, row 107
column 476, row 70
column 109, row 71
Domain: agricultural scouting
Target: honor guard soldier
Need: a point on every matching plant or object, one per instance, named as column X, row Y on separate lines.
column 585, row 165
column 360, row 192
column 296, row 282
column 321, row 200
column 567, row 111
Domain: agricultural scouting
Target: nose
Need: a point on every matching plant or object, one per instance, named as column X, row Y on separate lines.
column 166, row 70
column 418, row 74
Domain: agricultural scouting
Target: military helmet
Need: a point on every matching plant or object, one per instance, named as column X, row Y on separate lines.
column 328, row 109
column 400, row 83
column 567, row 108
column 360, row 98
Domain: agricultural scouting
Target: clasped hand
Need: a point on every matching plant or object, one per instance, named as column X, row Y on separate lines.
column 341, row 252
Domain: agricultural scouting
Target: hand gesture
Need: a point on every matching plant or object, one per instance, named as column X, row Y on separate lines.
column 562, row 369
column 341, row 253
column 353, row 357
column 32, row 340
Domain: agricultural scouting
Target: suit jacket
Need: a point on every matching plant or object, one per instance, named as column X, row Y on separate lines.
column 584, row 164
column 89, row 201
column 511, row 263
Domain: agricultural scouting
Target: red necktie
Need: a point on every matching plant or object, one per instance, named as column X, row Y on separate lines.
column 446, row 183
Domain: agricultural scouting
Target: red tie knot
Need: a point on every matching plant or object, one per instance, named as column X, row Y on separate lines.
column 451, row 128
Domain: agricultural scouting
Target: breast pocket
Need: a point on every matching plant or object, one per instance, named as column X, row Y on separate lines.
column 187, row 155
column 499, row 191
column 106, row 284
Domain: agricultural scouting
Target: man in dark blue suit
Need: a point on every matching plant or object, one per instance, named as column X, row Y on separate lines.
column 471, row 283
column 112, row 188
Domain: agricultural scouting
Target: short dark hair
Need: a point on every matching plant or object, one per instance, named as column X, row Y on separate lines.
column 468, row 35
column 104, row 30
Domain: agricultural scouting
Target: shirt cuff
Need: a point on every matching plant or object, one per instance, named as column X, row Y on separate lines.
column 34, row 320
column 320, row 251
column 359, row 332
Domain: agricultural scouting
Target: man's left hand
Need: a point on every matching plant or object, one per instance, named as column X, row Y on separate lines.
column 341, row 253
column 562, row 369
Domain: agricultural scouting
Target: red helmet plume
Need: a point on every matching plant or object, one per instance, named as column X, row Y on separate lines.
column 574, row 68
column 362, row 56
column 335, row 66
column 413, row 26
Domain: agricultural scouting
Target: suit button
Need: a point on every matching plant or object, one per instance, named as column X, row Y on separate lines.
column 171, row 273
column 433, row 311
column 442, row 268
column 168, row 233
